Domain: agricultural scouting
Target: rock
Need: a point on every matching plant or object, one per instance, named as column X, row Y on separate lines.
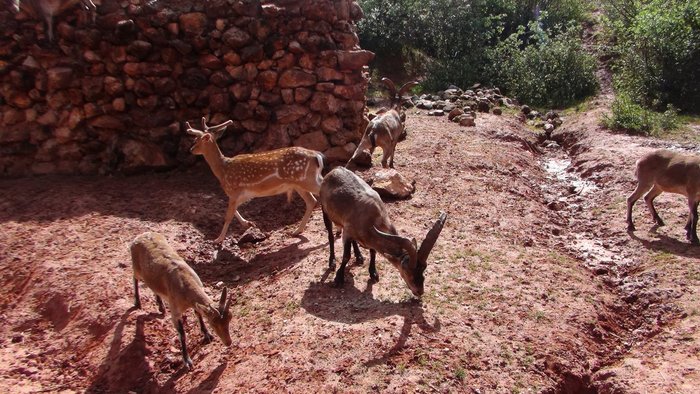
column 466, row 120
column 296, row 78
column 436, row 112
column 548, row 128
column 252, row 235
column 236, row 38
column 483, row 106
column 290, row 113
column 455, row 113
column 315, row 140
column 497, row 111
column 363, row 159
column 354, row 60
column 59, row 78
column 551, row 115
column 340, row 153
column 525, row 109
column 194, row 23
column 138, row 154
column 390, row 183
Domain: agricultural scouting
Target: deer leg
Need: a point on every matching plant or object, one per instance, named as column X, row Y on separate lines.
column 161, row 307
column 310, row 201
column 137, row 297
column 372, row 267
column 649, row 200
column 641, row 188
column 692, row 231
column 207, row 336
column 359, row 260
column 340, row 274
column 183, row 342
column 390, row 154
column 331, row 239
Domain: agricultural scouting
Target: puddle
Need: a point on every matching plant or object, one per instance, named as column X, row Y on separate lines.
column 558, row 169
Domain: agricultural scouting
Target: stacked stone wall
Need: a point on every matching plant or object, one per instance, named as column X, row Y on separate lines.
column 113, row 94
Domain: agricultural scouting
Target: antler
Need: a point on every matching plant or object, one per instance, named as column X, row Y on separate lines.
column 390, row 85
column 430, row 239
column 406, row 87
column 207, row 129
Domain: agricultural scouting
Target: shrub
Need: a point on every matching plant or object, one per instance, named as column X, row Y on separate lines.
column 658, row 48
column 633, row 118
column 553, row 71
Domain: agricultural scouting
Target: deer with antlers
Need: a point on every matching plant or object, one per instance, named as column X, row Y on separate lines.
column 352, row 204
column 386, row 128
column 246, row 176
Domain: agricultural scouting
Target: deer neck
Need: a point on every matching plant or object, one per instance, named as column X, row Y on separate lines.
column 215, row 159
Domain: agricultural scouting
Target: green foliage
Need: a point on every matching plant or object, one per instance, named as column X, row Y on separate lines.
column 453, row 39
column 633, row 118
column 553, row 70
column 658, row 51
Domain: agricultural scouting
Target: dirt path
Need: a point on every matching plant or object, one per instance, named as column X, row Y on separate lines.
column 534, row 283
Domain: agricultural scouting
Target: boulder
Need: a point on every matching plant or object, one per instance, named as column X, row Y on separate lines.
column 390, row 183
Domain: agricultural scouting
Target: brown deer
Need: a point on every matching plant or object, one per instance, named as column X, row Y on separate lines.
column 47, row 9
column 667, row 171
column 158, row 265
column 386, row 128
column 352, row 204
column 246, row 176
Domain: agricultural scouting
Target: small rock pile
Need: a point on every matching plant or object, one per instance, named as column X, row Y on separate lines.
column 548, row 122
column 461, row 106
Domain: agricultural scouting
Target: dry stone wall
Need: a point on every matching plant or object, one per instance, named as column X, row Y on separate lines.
column 113, row 94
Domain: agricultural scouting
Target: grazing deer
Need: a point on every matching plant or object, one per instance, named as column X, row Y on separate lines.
column 672, row 172
column 50, row 8
column 247, row 176
column 386, row 128
column 158, row 265
column 352, row 204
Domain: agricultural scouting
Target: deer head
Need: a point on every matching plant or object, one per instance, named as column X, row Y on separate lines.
column 413, row 261
column 208, row 135
column 397, row 98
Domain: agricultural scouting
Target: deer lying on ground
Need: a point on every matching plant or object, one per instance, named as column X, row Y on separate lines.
column 159, row 266
column 247, row 176
column 672, row 172
column 50, row 8
column 386, row 128
column 353, row 205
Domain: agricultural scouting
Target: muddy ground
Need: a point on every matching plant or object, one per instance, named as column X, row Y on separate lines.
column 534, row 285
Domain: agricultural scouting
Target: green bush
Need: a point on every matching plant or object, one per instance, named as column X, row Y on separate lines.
column 454, row 34
column 633, row 118
column 554, row 70
column 658, row 51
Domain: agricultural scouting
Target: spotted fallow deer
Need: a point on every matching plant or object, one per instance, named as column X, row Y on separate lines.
column 158, row 265
column 667, row 171
column 47, row 9
column 246, row 176
column 352, row 204
column 386, row 128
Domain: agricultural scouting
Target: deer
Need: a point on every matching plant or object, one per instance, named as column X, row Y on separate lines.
column 385, row 129
column 158, row 265
column 50, row 8
column 350, row 203
column 667, row 171
column 246, row 176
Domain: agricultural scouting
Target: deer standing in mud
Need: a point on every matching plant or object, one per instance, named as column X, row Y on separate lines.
column 158, row 265
column 672, row 172
column 385, row 129
column 353, row 205
column 246, row 176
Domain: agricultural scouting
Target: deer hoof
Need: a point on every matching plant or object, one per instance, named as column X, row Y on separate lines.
column 339, row 281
